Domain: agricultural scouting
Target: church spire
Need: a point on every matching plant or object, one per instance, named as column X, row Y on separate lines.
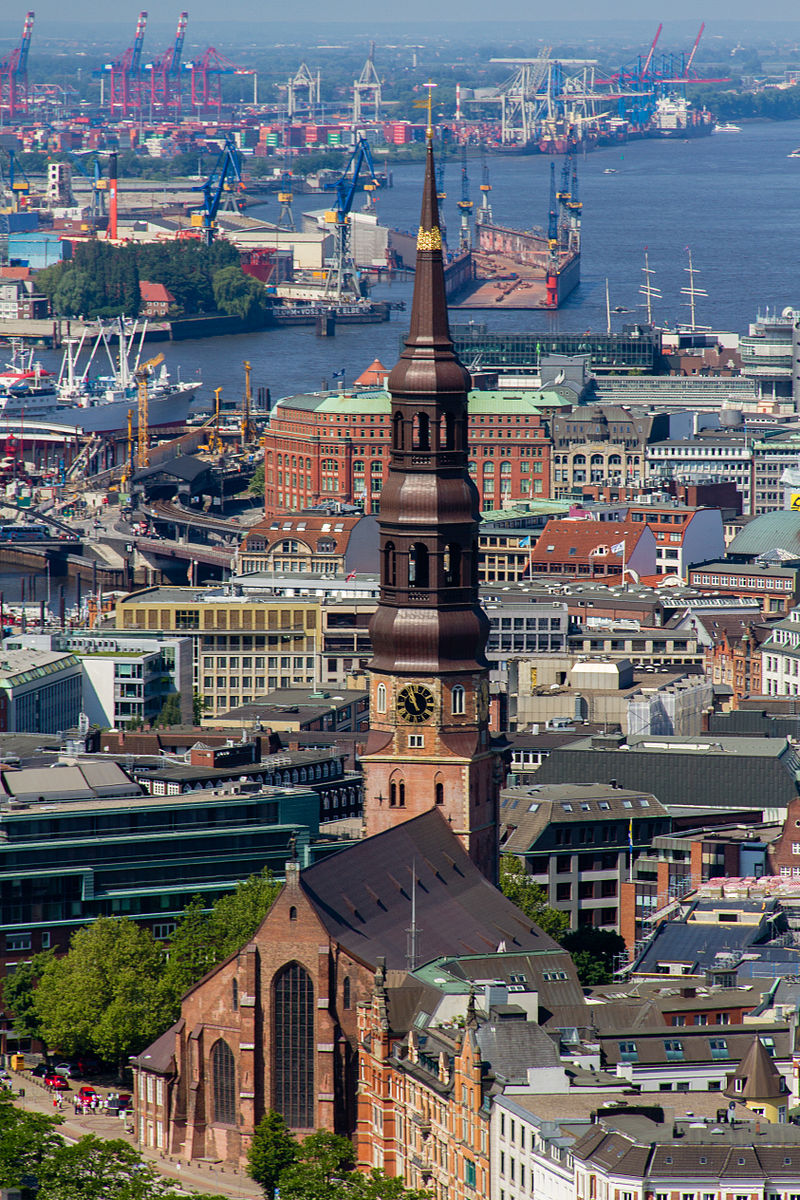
column 428, row 364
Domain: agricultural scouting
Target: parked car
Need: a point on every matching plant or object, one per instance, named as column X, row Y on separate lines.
column 57, row 1082
column 64, row 1068
column 40, row 1070
column 87, row 1093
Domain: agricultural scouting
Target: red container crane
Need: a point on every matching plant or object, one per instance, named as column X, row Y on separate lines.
column 14, row 74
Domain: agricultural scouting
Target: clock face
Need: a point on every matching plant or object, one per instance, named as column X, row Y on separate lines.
column 483, row 700
column 415, row 703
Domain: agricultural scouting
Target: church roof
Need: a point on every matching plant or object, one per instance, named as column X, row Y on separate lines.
column 363, row 897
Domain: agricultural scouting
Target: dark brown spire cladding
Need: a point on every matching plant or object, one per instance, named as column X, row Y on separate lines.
column 429, row 617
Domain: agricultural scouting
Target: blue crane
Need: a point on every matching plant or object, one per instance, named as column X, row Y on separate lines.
column 340, row 281
column 225, row 177
column 99, row 185
column 464, row 205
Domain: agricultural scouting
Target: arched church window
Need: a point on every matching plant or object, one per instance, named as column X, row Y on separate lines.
column 389, row 565
column 418, row 565
column 452, row 566
column 223, row 1081
column 293, row 1043
column 380, row 698
column 458, row 696
column 399, row 432
column 422, row 431
column 439, row 793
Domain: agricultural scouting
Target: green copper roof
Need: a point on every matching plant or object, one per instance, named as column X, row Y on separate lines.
column 506, row 401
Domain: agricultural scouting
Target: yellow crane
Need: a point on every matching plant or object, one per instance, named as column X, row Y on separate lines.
column 248, row 399
column 141, row 376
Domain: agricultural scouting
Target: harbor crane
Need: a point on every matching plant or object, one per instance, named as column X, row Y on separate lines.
column 14, row 74
column 551, row 287
column 219, row 189
column 484, row 214
column 124, row 76
column 165, row 75
column 17, row 182
column 97, row 208
column 367, row 90
column 302, row 81
column 464, row 206
column 206, row 79
column 142, row 375
column 340, row 280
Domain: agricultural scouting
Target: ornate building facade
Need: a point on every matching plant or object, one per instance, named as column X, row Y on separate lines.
column 429, row 743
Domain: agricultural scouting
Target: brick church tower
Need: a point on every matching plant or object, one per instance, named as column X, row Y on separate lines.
column 429, row 744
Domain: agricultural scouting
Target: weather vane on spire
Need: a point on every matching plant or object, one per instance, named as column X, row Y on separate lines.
column 430, row 85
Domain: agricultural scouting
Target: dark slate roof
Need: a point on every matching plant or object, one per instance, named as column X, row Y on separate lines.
column 695, row 943
column 746, row 772
column 184, row 466
column 363, row 897
column 512, row 1046
column 160, row 1056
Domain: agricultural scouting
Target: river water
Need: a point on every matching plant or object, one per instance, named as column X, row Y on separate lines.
column 732, row 198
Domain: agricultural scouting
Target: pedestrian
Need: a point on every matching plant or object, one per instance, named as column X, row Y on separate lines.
column 55, row 1101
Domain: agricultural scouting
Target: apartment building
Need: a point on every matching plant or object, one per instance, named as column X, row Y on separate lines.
column 242, row 646
column 711, row 456
column 579, row 842
column 780, row 658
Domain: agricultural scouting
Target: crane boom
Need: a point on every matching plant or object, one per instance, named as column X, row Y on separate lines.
column 649, row 58
column 694, row 49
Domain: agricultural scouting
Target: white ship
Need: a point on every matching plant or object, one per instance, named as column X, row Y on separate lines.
column 29, row 394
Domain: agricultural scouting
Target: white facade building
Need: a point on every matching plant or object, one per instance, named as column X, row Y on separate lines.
column 780, row 658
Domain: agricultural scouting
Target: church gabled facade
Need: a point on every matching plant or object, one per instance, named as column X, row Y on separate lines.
column 429, row 742
column 275, row 1025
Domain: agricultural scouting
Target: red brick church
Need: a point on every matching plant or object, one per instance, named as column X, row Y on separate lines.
column 275, row 1025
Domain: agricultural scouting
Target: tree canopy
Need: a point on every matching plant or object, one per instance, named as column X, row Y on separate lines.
column 531, row 898
column 102, row 280
column 322, row 1167
column 104, row 996
column 117, row 989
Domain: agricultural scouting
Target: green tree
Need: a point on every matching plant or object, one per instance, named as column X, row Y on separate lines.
column 235, row 917
column 170, row 711
column 239, row 295
column 189, row 955
column 272, row 1150
column 96, row 1169
column 531, row 898
column 593, row 952
column 18, row 994
column 256, row 485
column 319, row 1170
column 26, row 1140
column 104, row 994
column 200, row 705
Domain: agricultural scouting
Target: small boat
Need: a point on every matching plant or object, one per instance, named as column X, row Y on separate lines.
column 609, row 171
column 727, row 127
column 794, row 154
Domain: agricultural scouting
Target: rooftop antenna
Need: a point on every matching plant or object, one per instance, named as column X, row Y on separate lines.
column 413, row 932
column 648, row 289
column 693, row 292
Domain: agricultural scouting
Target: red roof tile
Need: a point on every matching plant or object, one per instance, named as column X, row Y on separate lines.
column 155, row 293
column 574, row 540
column 374, row 376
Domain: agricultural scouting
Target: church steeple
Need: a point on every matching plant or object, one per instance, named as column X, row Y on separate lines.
column 429, row 742
column 429, row 617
